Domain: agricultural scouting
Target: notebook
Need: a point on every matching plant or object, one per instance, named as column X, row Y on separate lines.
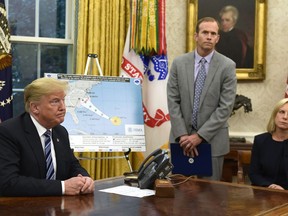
column 200, row 165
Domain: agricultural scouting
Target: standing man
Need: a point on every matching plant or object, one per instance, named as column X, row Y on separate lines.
column 35, row 154
column 200, row 115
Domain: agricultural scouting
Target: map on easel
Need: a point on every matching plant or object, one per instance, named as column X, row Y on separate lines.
column 104, row 113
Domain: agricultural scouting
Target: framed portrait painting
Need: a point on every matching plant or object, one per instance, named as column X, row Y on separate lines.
column 242, row 32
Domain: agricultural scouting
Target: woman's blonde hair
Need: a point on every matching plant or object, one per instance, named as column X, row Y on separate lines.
column 271, row 127
column 40, row 87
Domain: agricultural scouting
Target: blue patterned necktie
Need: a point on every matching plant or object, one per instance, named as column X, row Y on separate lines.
column 50, row 174
column 199, row 83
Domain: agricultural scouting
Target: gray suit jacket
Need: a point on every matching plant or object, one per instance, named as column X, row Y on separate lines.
column 216, row 102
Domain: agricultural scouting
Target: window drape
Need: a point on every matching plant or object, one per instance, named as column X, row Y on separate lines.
column 102, row 28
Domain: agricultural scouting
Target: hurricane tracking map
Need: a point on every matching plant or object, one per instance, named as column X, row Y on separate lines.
column 104, row 113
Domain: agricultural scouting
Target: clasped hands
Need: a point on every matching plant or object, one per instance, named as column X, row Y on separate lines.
column 189, row 144
column 79, row 185
column 275, row 186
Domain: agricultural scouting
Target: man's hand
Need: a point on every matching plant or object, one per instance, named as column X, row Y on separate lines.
column 74, row 185
column 275, row 186
column 88, row 187
column 79, row 185
column 189, row 144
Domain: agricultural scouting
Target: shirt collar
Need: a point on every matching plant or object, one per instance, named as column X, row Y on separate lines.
column 40, row 129
column 207, row 58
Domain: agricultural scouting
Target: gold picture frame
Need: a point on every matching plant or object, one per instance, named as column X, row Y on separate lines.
column 258, row 70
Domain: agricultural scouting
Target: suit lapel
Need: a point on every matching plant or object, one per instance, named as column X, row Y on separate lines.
column 58, row 150
column 214, row 64
column 189, row 68
column 33, row 140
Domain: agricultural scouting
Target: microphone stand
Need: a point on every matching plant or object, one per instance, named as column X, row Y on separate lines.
column 126, row 154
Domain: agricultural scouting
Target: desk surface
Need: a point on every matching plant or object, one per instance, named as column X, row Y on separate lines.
column 194, row 197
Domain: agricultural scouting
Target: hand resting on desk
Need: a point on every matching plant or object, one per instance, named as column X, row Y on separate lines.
column 79, row 185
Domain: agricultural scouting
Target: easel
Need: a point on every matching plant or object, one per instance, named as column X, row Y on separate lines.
column 89, row 65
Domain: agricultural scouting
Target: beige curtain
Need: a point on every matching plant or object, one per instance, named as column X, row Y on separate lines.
column 102, row 29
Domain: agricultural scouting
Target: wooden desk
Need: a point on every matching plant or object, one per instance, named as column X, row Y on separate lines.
column 194, row 197
column 231, row 160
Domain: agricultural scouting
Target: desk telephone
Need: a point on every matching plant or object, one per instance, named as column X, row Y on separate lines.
column 156, row 166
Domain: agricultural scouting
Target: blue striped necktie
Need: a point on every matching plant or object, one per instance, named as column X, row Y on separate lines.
column 198, row 86
column 50, row 174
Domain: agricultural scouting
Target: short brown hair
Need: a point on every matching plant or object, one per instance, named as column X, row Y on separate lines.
column 206, row 19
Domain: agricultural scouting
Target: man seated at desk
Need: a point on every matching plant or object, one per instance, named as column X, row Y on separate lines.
column 35, row 154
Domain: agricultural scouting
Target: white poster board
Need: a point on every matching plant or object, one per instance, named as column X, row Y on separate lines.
column 104, row 113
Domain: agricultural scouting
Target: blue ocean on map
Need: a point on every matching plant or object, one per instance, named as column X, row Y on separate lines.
column 102, row 108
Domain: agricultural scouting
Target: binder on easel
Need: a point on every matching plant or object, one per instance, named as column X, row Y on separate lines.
column 89, row 64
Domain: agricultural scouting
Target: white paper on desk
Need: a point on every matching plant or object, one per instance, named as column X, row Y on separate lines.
column 129, row 191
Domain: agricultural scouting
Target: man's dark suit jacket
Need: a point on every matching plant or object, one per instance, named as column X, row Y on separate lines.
column 22, row 159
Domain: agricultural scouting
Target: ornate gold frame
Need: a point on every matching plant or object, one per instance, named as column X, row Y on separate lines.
column 258, row 70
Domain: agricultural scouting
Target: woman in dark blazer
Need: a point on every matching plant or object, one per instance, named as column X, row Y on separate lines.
column 269, row 160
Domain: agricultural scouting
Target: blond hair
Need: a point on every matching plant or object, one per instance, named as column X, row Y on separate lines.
column 40, row 87
column 271, row 127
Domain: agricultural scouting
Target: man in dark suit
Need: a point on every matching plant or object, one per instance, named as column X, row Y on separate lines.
column 216, row 100
column 22, row 147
